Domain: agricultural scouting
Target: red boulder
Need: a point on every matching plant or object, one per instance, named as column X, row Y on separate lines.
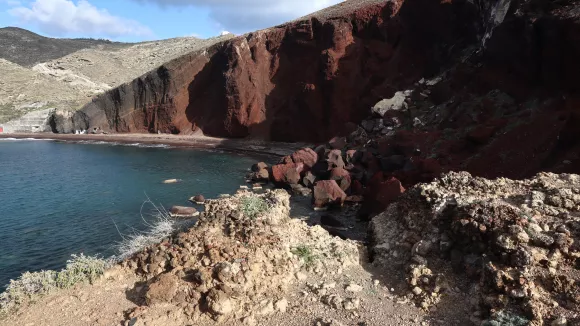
column 306, row 156
column 328, row 193
column 287, row 173
column 342, row 178
column 380, row 193
column 286, row 160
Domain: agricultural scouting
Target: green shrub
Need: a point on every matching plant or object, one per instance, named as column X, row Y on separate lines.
column 305, row 253
column 80, row 269
column 252, row 206
column 504, row 318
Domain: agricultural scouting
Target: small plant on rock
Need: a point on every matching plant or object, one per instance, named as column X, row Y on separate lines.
column 252, row 206
column 79, row 269
column 504, row 318
column 305, row 253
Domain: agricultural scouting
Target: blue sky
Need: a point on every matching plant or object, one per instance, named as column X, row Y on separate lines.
column 140, row 20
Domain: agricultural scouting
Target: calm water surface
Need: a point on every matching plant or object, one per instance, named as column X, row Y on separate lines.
column 58, row 198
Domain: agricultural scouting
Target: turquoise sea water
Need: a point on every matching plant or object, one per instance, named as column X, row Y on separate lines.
column 59, row 198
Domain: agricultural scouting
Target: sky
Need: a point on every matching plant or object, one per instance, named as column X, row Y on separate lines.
column 142, row 20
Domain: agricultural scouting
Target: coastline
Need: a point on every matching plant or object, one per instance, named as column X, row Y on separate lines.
column 184, row 141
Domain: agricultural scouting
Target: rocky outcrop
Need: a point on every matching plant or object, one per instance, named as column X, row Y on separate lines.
column 66, row 122
column 237, row 263
column 517, row 239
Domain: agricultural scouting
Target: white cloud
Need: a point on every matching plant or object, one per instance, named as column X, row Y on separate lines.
column 246, row 15
column 62, row 17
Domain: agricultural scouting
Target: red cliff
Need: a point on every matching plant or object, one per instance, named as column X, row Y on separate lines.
column 505, row 101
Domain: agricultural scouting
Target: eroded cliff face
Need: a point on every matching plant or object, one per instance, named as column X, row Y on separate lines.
column 304, row 81
column 312, row 79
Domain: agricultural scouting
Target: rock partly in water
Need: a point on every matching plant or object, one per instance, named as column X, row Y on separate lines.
column 183, row 211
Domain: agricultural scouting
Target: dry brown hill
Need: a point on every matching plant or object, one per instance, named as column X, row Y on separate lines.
column 38, row 72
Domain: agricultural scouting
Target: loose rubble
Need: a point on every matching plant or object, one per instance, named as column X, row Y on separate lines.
column 514, row 244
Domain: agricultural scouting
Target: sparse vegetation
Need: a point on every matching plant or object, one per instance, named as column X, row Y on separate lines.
column 28, row 286
column 162, row 226
column 305, row 253
column 504, row 318
column 253, row 206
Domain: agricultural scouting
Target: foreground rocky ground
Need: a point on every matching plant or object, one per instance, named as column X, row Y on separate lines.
column 237, row 265
column 458, row 251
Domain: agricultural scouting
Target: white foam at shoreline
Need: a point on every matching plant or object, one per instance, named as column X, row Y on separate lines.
column 23, row 139
column 100, row 142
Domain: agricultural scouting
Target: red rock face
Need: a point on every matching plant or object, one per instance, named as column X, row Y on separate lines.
column 303, row 81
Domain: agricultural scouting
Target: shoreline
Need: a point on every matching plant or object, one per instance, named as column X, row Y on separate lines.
column 182, row 141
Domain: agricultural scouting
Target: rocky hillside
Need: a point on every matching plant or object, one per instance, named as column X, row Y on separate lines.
column 38, row 72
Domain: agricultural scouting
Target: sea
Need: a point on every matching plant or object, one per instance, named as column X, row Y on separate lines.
column 62, row 198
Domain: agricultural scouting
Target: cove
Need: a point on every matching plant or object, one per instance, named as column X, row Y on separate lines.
column 59, row 198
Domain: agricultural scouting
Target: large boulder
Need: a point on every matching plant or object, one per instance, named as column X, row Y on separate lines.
column 328, row 193
column 162, row 289
column 307, row 156
column 287, row 173
column 182, row 211
column 342, row 178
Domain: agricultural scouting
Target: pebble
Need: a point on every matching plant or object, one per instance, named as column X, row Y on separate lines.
column 351, row 303
column 353, row 288
column 301, row 276
column 417, row 290
column 281, row 305
column 559, row 322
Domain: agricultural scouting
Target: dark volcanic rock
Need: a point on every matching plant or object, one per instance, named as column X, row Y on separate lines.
column 380, row 193
column 197, row 199
column 259, row 166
